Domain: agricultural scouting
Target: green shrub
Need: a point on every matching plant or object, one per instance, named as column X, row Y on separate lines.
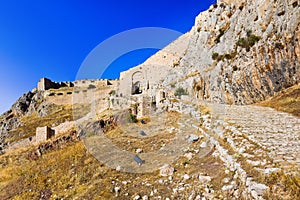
column 130, row 118
column 229, row 56
column 253, row 39
column 180, row 91
column 248, row 41
column 112, row 92
column 219, row 57
column 215, row 56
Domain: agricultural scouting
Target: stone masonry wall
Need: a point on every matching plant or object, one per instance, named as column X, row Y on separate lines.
column 44, row 133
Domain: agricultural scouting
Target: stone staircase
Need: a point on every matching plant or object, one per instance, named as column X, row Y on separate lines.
column 266, row 137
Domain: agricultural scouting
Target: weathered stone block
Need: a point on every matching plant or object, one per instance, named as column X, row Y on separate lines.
column 44, row 133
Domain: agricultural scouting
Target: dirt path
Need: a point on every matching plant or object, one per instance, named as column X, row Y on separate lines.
column 106, row 151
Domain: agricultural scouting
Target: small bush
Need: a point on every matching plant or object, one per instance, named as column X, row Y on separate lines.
column 248, row 41
column 219, row 57
column 215, row 56
column 130, row 118
column 112, row 92
column 180, row 91
column 228, row 56
column 253, row 39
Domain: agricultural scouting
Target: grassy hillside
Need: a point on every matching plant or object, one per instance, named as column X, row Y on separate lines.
column 287, row 101
column 57, row 115
column 69, row 172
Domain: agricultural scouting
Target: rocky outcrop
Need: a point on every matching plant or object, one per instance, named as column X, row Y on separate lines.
column 241, row 52
column 26, row 105
column 244, row 52
column 11, row 119
column 22, row 104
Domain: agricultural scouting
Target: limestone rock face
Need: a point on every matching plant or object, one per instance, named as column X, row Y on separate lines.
column 239, row 52
column 244, row 51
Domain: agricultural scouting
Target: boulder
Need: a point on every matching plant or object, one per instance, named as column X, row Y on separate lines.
column 166, row 170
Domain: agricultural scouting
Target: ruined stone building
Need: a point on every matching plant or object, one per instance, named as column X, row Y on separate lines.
column 46, row 84
column 43, row 133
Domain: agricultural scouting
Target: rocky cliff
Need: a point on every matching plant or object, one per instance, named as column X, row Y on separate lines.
column 240, row 52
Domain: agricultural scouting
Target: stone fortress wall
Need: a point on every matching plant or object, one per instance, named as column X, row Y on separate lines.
column 77, row 92
column 141, row 88
column 141, row 79
column 93, row 92
column 147, row 77
column 46, row 84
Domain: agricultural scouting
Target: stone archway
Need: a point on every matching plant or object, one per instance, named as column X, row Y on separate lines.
column 136, row 88
column 137, row 83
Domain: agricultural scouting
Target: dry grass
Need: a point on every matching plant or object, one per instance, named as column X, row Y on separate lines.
column 56, row 116
column 287, row 101
column 69, row 172
column 62, row 89
column 210, row 67
column 72, row 173
column 195, row 73
column 204, row 109
column 131, row 142
column 282, row 185
column 30, row 123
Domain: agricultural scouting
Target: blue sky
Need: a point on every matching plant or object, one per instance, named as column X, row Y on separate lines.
column 52, row 38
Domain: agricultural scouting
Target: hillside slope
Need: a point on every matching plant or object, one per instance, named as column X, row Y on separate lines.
column 287, row 101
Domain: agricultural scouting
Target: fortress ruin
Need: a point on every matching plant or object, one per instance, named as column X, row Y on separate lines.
column 143, row 79
column 43, row 133
column 46, row 84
